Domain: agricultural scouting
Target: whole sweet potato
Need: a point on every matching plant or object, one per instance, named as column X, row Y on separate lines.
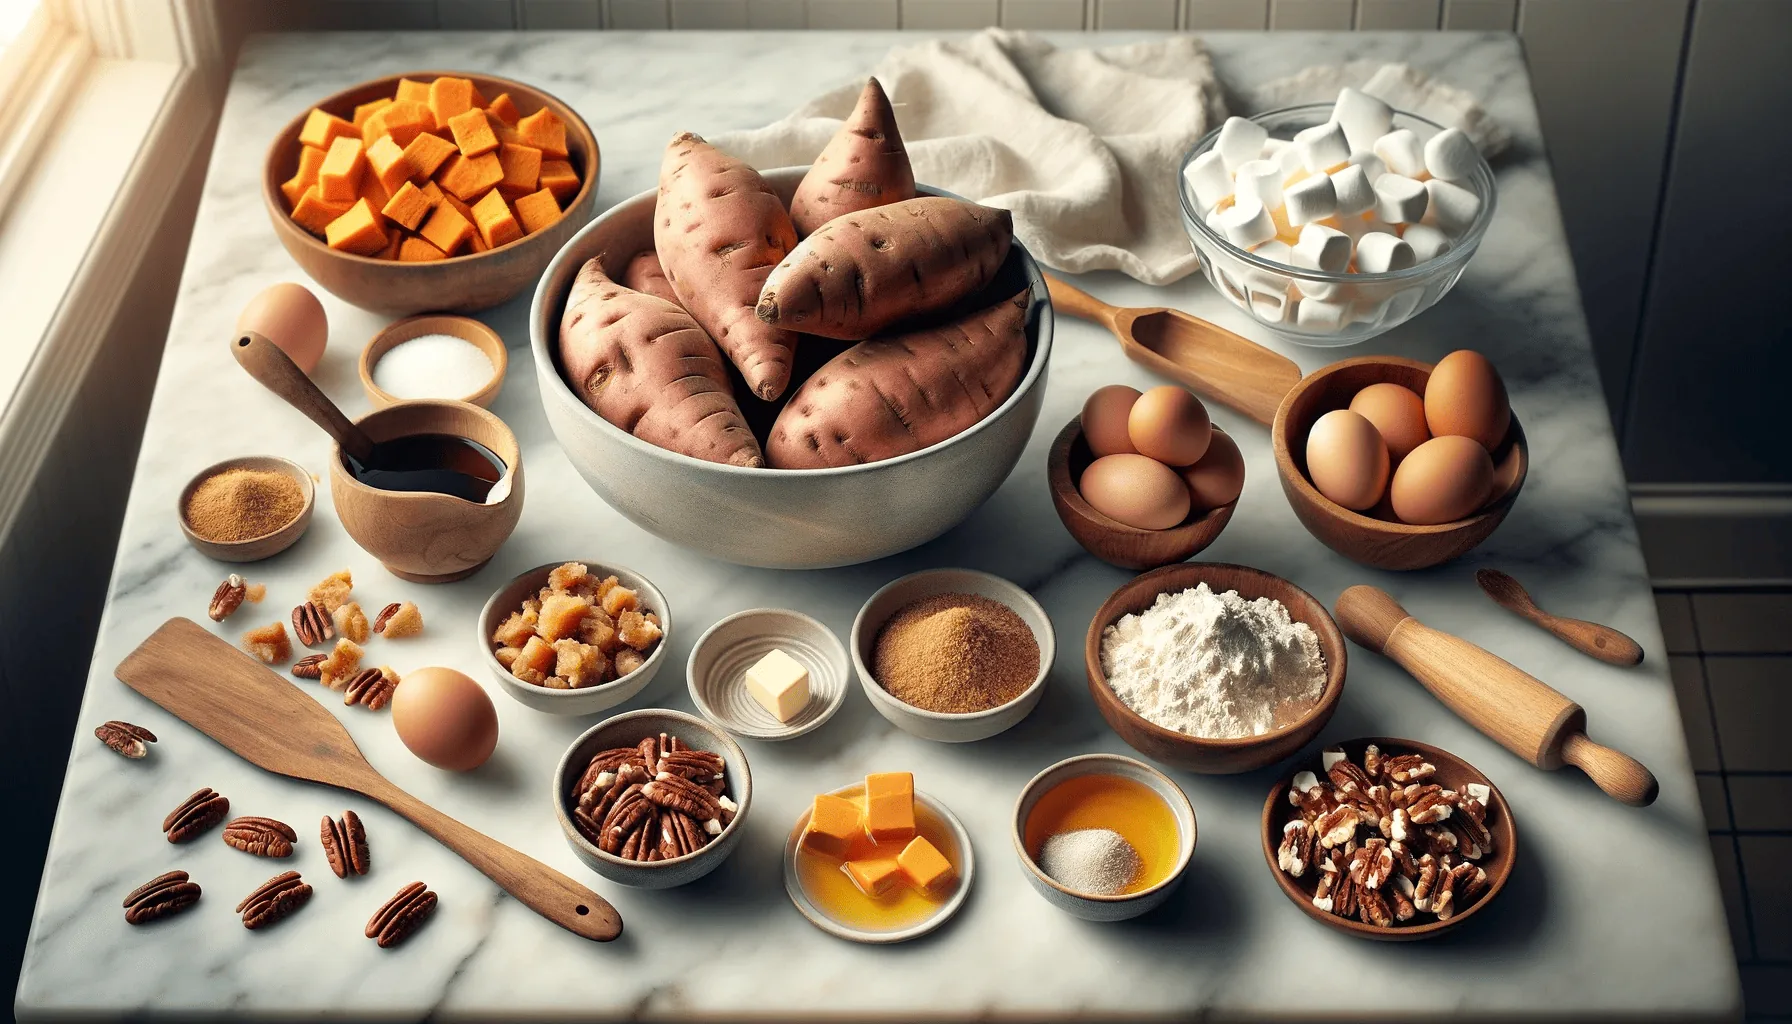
column 642, row 363
column 719, row 231
column 864, row 271
column 864, row 165
column 644, row 274
column 899, row 394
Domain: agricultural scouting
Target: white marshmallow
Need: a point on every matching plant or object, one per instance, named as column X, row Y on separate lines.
column 1450, row 155
column 1270, row 307
column 1240, row 140
column 1276, row 251
column 1380, row 253
column 1322, row 147
column 1208, row 179
column 1321, row 248
column 1262, row 179
column 1319, row 315
column 1428, row 243
column 1400, row 200
column 1311, row 198
column 1247, row 222
column 1451, row 207
column 1360, row 225
column 1272, row 148
column 1364, row 117
column 1372, row 165
column 1352, row 191
column 1401, row 151
column 1289, row 158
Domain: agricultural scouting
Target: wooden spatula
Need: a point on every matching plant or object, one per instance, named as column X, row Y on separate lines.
column 237, row 701
column 1589, row 638
column 1204, row 357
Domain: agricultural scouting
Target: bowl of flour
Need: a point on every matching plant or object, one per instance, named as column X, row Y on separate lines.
column 1214, row 668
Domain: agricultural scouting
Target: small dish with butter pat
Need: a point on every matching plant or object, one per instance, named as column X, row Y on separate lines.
column 768, row 674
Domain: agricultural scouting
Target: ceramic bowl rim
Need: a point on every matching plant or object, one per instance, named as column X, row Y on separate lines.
column 1185, row 842
column 782, row 733
column 474, row 332
column 488, row 612
column 298, row 473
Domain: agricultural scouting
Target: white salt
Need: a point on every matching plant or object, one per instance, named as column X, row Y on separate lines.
column 1096, row 861
column 433, row 366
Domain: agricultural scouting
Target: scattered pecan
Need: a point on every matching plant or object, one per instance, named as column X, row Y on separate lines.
column 227, row 598
column 401, row 915
column 263, row 837
column 201, row 811
column 161, row 896
column 370, row 687
column 385, row 616
column 276, row 900
column 309, row 667
column 345, row 844
column 312, row 625
column 130, row 740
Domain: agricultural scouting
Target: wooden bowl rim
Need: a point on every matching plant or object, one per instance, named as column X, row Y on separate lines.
column 1184, row 576
column 474, row 332
column 335, row 103
column 1057, row 473
column 300, row 523
column 1505, row 829
column 343, row 482
column 1185, row 844
column 1292, row 476
column 490, row 615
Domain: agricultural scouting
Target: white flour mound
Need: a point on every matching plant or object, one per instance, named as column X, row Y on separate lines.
column 1212, row 665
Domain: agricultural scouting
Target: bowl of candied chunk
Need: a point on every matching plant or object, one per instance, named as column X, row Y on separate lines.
column 575, row 638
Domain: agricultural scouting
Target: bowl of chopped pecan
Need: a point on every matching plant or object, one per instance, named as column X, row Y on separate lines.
column 653, row 798
column 575, row 638
column 1389, row 839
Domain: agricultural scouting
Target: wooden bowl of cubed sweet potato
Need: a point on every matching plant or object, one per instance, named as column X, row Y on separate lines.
column 431, row 190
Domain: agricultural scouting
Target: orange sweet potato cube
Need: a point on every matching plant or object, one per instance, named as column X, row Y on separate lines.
column 449, row 97
column 388, row 164
column 890, row 807
column 314, row 213
column 545, row 132
column 833, row 826
column 394, row 242
column 408, row 206
column 874, row 877
column 537, row 210
column 339, row 176
column 364, row 110
column 478, row 97
column 416, row 250
column 468, row 177
column 357, row 231
column 446, row 229
column 404, row 120
column 522, row 170
column 473, row 132
column 502, row 108
column 434, row 193
column 924, row 865
column 558, row 177
column 426, row 154
column 310, row 159
column 376, row 195
column 322, row 128
column 413, row 91
column 474, row 242
column 496, row 224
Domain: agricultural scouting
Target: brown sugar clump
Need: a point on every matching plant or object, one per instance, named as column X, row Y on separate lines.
column 243, row 504
column 268, row 643
column 956, row 653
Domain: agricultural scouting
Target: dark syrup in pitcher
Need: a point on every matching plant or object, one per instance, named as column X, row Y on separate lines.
column 436, row 463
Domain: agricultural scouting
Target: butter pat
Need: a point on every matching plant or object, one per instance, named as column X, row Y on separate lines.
column 890, row 807
column 925, row 866
column 780, row 684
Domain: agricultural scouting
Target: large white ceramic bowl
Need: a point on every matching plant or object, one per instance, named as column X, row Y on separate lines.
column 789, row 519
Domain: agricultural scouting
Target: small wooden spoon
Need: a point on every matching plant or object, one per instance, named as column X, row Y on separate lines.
column 1228, row 368
column 1589, row 638
column 278, row 373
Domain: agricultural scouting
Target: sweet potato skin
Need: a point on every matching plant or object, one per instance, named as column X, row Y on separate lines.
column 899, row 394
column 865, row 165
column 864, row 271
column 644, row 274
column 642, row 363
column 719, row 230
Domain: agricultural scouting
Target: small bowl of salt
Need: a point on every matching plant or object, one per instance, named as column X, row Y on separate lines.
column 434, row 356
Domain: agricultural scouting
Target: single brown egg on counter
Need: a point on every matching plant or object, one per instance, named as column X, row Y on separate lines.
column 1142, row 493
column 1347, row 460
column 445, row 718
column 1466, row 397
column 1445, row 479
column 290, row 316
column 1170, row 425
column 1104, row 420
column 1218, row 479
column 1398, row 414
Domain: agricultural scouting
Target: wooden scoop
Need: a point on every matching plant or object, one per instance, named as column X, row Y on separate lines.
column 1589, row 638
column 1204, row 357
column 262, row 718
column 276, row 371
column 1515, row 708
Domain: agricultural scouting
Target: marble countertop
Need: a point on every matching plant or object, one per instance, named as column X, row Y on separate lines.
column 1611, row 911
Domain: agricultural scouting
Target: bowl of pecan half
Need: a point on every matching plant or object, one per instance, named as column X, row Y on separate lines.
column 1389, row 839
column 653, row 798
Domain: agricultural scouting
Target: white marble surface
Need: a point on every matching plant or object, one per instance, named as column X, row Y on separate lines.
column 1611, row 911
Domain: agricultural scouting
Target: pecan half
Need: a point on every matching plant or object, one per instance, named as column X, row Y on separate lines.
column 345, row 844
column 1336, row 826
column 385, row 616
column 263, row 837
column 276, row 900
column 401, row 915
column 1296, row 851
column 312, row 625
column 1408, row 768
column 161, row 896
column 678, row 794
column 227, row 598
column 130, row 740
column 201, row 811
column 1372, row 909
column 699, row 766
column 309, row 667
column 369, row 688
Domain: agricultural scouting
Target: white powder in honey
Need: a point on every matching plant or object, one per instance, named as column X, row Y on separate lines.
column 1214, row 665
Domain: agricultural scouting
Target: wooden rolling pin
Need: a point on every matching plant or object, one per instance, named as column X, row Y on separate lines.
column 1520, row 711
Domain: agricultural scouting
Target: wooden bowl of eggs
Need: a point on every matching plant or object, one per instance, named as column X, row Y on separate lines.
column 1144, row 480
column 1399, row 464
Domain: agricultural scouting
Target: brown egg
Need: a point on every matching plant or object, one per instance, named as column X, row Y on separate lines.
column 445, row 718
column 292, row 318
column 1132, row 489
column 1445, row 479
column 1218, row 478
column 1104, row 420
column 1347, row 460
column 1398, row 414
column 1170, row 425
column 1465, row 396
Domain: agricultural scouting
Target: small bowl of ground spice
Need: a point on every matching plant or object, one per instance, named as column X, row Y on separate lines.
column 953, row 655
column 248, row 508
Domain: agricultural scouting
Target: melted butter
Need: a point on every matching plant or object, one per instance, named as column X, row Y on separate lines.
column 1123, row 805
column 834, row 893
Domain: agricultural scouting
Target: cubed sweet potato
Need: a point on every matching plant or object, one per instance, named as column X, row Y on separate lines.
column 412, row 90
column 404, row 120
column 537, row 210
column 386, row 162
column 426, row 154
column 522, row 170
column 558, row 177
column 314, row 213
column 357, row 231
column 321, row 129
column 504, row 109
column 310, row 160
column 468, row 178
column 544, row 131
column 365, row 110
column 474, row 242
column 339, row 176
column 416, row 250
column 492, row 216
column 472, row 132
column 449, row 97
column 446, row 229
column 408, row 206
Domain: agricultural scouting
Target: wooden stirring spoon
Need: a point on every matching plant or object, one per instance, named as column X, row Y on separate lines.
column 1208, row 359
column 265, row 720
column 278, row 373
column 1589, row 638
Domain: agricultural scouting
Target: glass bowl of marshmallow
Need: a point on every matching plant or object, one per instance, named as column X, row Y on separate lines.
column 1330, row 223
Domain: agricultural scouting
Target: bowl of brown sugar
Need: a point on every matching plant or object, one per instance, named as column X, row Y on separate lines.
column 953, row 655
column 248, row 508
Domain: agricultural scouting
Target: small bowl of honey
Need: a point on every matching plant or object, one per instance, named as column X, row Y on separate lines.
column 1104, row 837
